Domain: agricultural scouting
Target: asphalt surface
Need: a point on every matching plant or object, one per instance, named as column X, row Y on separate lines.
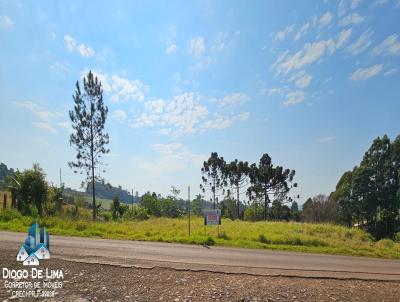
column 214, row 259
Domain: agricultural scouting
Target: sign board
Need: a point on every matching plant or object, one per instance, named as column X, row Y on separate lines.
column 212, row 217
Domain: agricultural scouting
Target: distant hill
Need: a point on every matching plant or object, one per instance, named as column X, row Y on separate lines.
column 107, row 191
column 4, row 172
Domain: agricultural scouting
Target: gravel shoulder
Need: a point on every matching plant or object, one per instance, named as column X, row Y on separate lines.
column 104, row 282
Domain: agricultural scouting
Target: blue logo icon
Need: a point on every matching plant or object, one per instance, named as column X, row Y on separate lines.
column 35, row 247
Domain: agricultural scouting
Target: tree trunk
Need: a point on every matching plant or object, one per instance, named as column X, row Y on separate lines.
column 265, row 204
column 93, row 194
column 214, row 193
column 238, row 202
column 92, row 157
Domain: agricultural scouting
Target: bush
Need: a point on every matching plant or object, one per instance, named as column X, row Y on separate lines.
column 262, row 239
column 397, row 237
column 9, row 214
column 223, row 236
column 385, row 243
column 105, row 216
column 209, row 241
column 136, row 212
column 80, row 226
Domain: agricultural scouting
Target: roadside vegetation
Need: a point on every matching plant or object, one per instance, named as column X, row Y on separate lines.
column 290, row 236
column 256, row 200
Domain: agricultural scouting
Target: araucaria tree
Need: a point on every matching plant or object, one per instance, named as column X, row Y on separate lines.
column 237, row 173
column 213, row 178
column 369, row 195
column 89, row 136
column 266, row 179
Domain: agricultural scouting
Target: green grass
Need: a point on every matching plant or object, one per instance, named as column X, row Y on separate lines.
column 105, row 203
column 290, row 236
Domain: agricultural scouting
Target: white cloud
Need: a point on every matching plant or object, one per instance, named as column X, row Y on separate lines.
column 69, row 42
column 304, row 81
column 6, row 21
column 84, row 50
column 379, row 2
column 60, row 68
column 223, row 122
column 351, row 19
column 120, row 89
column 128, row 89
column 311, row 53
column 202, row 63
column 119, row 115
column 354, row 4
column 362, row 43
column 224, row 40
column 366, row 73
column 197, row 47
column 185, row 114
column 181, row 115
column 390, row 46
column 391, row 71
column 302, row 31
column 271, row 91
column 326, row 139
column 294, row 97
column 65, row 125
column 341, row 8
column 46, row 119
column 281, row 35
column 343, row 37
column 172, row 158
column 325, row 19
column 46, row 127
column 156, row 106
column 233, row 99
column 171, row 49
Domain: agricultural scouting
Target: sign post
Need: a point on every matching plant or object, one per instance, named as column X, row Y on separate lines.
column 189, row 207
column 212, row 217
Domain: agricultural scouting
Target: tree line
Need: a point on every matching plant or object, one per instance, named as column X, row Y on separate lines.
column 258, row 182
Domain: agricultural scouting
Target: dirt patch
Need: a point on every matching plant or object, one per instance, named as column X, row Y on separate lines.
column 96, row 282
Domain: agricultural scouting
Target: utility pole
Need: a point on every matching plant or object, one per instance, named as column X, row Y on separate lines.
column 132, row 198
column 189, row 207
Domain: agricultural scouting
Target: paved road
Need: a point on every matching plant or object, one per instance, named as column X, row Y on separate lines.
column 221, row 259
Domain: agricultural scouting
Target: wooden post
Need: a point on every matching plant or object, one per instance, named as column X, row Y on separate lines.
column 189, row 207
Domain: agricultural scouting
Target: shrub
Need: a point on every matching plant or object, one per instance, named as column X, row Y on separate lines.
column 385, row 243
column 397, row 237
column 263, row 239
column 136, row 212
column 80, row 226
column 209, row 241
column 105, row 216
column 9, row 214
column 223, row 236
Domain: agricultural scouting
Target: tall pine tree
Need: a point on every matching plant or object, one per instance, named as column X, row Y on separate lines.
column 89, row 136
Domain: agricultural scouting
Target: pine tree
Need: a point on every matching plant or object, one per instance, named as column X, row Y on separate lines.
column 89, row 136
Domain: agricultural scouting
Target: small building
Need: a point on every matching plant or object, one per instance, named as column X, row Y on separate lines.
column 42, row 252
column 31, row 260
column 22, row 253
column 5, row 200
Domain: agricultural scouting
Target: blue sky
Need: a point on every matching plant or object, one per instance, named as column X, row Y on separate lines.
column 311, row 83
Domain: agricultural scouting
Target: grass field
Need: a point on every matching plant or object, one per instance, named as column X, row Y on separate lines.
column 105, row 203
column 304, row 237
